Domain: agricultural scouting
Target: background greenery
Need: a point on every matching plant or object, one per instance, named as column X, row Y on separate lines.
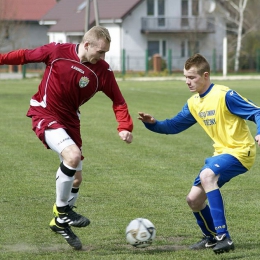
column 149, row 178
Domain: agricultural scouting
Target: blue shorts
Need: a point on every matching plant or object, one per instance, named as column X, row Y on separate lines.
column 226, row 165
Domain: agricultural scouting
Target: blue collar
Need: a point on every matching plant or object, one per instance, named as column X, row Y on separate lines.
column 208, row 90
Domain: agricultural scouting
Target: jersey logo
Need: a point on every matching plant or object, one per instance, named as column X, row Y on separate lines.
column 83, row 82
column 77, row 69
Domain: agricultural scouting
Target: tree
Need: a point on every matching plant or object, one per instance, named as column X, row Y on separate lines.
column 235, row 16
column 240, row 9
column 242, row 22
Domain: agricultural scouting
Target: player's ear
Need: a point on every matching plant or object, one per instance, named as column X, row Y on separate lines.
column 206, row 75
column 86, row 44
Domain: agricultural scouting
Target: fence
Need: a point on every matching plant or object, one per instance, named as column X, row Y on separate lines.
column 170, row 63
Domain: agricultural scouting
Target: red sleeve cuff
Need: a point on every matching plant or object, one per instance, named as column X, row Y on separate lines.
column 123, row 118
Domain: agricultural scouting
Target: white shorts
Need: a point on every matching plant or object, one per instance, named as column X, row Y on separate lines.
column 58, row 140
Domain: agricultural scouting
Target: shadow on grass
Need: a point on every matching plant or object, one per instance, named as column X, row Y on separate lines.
column 162, row 244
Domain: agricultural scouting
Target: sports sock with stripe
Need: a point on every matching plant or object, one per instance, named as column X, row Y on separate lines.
column 205, row 222
column 217, row 211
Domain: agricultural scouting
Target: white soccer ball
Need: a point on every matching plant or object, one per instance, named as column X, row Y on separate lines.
column 140, row 232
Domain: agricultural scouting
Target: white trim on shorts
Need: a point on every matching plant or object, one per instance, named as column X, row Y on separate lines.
column 58, row 140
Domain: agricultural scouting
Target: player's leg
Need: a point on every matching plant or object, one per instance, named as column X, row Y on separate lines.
column 196, row 201
column 216, row 172
column 209, row 182
column 75, row 188
column 59, row 141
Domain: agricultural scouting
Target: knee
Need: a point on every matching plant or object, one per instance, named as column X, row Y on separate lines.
column 74, row 160
column 72, row 157
column 192, row 202
column 195, row 203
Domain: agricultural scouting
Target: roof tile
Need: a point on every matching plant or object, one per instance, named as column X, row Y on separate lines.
column 24, row 10
column 69, row 19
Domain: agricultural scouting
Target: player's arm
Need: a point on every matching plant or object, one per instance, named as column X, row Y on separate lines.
column 125, row 122
column 120, row 108
column 13, row 58
column 245, row 109
column 182, row 121
column 23, row 56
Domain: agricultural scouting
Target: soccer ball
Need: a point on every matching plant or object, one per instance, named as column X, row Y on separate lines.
column 140, row 232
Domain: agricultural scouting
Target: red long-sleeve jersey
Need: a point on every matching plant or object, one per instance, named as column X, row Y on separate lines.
column 67, row 84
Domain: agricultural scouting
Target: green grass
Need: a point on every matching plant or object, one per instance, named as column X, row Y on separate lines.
column 149, row 178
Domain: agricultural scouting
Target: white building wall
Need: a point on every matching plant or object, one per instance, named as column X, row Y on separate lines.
column 57, row 37
column 22, row 35
column 113, row 56
column 134, row 42
column 128, row 36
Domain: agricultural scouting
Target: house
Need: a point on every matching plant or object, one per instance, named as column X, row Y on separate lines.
column 19, row 24
column 139, row 29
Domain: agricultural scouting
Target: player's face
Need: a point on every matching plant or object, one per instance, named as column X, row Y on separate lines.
column 196, row 82
column 97, row 51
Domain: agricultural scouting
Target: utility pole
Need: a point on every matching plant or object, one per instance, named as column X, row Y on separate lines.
column 87, row 13
column 96, row 12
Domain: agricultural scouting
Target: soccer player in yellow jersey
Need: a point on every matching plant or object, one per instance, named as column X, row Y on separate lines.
column 221, row 112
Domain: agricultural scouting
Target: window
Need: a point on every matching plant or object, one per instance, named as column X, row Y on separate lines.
column 161, row 7
column 164, row 48
column 195, row 7
column 184, row 13
column 184, row 8
column 150, row 7
column 156, row 8
column 183, row 49
column 153, row 48
column 161, row 12
column 157, row 47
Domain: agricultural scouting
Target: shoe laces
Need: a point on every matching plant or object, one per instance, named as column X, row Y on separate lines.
column 72, row 214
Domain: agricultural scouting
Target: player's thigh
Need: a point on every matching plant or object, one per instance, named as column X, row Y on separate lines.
column 59, row 141
column 226, row 166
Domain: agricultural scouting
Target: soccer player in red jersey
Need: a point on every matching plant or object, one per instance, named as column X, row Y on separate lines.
column 74, row 73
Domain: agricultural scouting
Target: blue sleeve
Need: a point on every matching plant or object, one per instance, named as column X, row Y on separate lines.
column 175, row 125
column 243, row 108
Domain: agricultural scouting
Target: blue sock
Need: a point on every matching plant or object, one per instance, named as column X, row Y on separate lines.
column 205, row 222
column 217, row 212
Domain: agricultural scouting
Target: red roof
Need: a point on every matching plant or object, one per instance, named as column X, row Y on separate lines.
column 71, row 18
column 25, row 10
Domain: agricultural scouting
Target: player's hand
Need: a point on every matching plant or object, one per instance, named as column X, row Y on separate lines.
column 126, row 136
column 146, row 118
column 257, row 139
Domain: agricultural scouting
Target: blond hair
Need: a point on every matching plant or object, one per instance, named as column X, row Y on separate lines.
column 96, row 33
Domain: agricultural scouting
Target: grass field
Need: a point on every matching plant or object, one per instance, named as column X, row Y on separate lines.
column 149, row 178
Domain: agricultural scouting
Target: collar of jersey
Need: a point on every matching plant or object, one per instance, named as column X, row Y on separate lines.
column 208, row 90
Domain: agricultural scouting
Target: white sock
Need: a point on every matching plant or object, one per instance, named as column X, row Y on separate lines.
column 63, row 188
column 73, row 196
